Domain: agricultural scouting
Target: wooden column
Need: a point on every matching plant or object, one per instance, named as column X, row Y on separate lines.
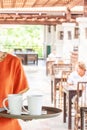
column 68, row 15
column 85, row 8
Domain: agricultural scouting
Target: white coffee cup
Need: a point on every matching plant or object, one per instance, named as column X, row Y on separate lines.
column 14, row 104
column 35, row 103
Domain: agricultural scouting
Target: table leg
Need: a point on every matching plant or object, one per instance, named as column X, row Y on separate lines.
column 81, row 112
column 51, row 91
column 46, row 68
column 25, row 59
column 37, row 60
column 64, row 108
column 69, row 111
column 54, row 95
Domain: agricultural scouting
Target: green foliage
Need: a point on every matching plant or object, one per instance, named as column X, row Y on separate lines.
column 22, row 36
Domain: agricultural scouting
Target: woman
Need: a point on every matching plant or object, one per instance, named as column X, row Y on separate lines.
column 79, row 75
column 12, row 81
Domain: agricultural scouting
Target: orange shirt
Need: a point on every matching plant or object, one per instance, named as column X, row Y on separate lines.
column 12, row 80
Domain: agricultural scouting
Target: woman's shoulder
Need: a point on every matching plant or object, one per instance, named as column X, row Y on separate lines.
column 73, row 73
column 12, row 57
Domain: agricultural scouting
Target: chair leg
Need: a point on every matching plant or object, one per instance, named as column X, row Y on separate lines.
column 60, row 95
column 51, row 91
column 76, row 123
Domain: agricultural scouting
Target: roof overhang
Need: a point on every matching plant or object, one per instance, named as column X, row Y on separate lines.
column 40, row 11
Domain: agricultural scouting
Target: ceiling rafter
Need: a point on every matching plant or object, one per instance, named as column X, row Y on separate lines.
column 55, row 2
column 34, row 3
column 74, row 3
column 1, row 1
column 24, row 3
column 45, row 3
column 13, row 3
column 38, row 3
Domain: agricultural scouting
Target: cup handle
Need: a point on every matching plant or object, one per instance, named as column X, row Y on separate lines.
column 4, row 105
column 24, row 107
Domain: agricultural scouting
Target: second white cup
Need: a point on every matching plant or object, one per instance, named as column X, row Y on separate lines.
column 35, row 103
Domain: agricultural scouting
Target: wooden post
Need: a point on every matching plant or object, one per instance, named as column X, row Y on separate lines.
column 85, row 8
column 68, row 15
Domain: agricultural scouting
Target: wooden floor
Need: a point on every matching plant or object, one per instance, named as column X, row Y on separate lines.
column 40, row 83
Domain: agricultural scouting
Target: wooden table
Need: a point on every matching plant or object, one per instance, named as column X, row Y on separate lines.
column 70, row 92
column 27, row 56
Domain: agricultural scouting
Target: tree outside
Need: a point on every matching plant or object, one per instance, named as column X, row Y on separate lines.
column 23, row 37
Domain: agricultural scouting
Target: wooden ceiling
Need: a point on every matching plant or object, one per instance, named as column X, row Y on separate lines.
column 37, row 3
column 38, row 11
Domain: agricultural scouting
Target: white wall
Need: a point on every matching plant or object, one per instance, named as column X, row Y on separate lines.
column 59, row 43
column 63, row 46
column 82, row 39
column 68, row 43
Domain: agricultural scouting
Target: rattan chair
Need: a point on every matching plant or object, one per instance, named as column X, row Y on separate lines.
column 80, row 101
column 63, row 83
column 56, row 79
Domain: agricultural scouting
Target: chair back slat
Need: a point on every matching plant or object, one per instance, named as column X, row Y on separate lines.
column 57, row 68
column 64, row 77
column 82, row 94
column 80, row 102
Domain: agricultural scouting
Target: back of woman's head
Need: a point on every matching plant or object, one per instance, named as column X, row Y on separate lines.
column 81, row 65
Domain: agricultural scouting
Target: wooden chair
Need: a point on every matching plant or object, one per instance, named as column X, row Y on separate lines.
column 29, row 50
column 80, row 101
column 63, row 82
column 49, row 66
column 17, row 50
column 56, row 77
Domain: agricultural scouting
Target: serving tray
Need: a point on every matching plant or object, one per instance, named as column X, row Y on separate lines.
column 47, row 112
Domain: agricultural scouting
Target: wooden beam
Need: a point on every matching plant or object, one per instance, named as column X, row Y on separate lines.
column 68, row 15
column 28, row 22
column 44, row 4
column 24, row 3
column 85, row 8
column 74, row 3
column 1, row 1
column 13, row 3
column 56, row 2
column 34, row 3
